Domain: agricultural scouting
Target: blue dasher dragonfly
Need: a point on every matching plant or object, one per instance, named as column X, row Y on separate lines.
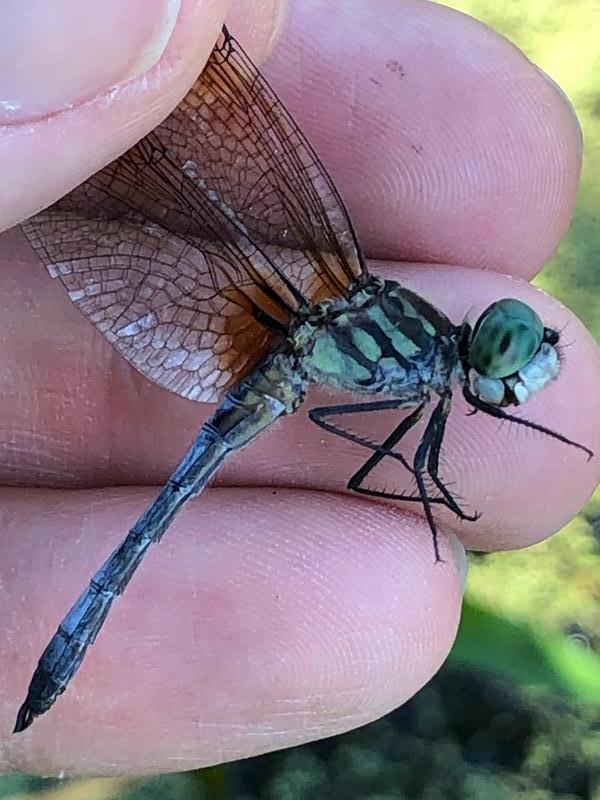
column 218, row 258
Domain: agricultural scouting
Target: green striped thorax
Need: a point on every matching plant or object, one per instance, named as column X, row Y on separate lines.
column 385, row 338
column 382, row 338
column 509, row 354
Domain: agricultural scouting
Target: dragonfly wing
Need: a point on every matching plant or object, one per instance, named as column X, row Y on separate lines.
column 194, row 250
column 255, row 156
column 151, row 294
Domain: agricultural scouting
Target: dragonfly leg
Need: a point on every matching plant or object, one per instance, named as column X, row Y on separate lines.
column 495, row 411
column 319, row 417
column 430, row 435
column 355, row 482
column 430, row 441
column 433, row 461
column 428, row 453
column 383, row 450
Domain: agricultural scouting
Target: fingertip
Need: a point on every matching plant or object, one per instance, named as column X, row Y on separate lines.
column 58, row 56
column 445, row 141
column 71, row 127
column 525, row 485
column 258, row 25
column 264, row 620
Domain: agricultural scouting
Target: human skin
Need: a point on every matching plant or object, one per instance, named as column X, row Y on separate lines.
column 279, row 608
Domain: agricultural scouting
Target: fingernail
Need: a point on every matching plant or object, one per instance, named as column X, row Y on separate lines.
column 567, row 100
column 461, row 558
column 58, row 53
column 281, row 11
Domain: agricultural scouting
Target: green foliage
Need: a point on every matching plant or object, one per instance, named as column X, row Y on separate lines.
column 562, row 38
column 550, row 585
column 529, row 657
column 465, row 735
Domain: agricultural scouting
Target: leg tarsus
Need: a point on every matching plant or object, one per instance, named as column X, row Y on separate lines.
column 433, row 460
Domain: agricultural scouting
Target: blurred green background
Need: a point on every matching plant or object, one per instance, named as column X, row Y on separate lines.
column 515, row 713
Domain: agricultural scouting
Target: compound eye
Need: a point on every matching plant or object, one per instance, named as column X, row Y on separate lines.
column 505, row 338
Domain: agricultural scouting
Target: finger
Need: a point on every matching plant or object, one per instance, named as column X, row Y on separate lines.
column 445, row 141
column 305, row 616
column 128, row 65
column 477, row 155
column 526, row 485
column 73, row 413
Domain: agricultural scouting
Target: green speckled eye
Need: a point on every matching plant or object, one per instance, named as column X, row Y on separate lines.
column 506, row 337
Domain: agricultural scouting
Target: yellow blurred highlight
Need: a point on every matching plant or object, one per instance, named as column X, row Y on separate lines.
column 87, row 789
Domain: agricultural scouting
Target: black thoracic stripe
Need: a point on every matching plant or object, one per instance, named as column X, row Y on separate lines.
column 411, row 327
column 384, row 342
column 342, row 338
column 435, row 318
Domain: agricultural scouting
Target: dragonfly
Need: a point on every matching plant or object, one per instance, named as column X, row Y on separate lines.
column 218, row 258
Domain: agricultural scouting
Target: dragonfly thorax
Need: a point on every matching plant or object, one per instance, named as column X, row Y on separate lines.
column 381, row 338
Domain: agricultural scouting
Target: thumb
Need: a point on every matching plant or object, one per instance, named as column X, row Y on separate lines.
column 81, row 82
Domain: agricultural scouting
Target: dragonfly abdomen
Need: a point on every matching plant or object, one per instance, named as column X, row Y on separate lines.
column 274, row 388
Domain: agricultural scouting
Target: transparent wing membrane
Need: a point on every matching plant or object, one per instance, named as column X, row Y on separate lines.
column 193, row 251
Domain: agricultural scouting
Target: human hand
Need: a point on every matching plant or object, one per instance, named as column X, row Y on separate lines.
column 316, row 611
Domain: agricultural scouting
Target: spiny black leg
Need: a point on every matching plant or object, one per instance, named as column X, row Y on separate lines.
column 433, row 461
column 319, row 415
column 405, row 498
column 418, row 466
column 498, row 413
column 392, row 440
column 381, row 451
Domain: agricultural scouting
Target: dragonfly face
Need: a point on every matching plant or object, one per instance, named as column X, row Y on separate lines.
column 218, row 258
column 509, row 353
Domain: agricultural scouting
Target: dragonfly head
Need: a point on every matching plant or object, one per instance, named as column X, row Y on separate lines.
column 508, row 355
